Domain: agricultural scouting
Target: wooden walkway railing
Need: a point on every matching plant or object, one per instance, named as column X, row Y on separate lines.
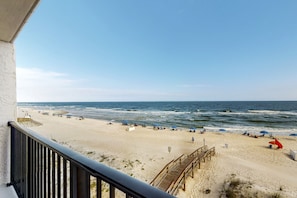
column 158, row 179
column 174, row 174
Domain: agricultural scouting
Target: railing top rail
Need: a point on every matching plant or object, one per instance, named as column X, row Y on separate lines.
column 179, row 158
column 116, row 178
column 161, row 172
column 210, row 150
column 199, row 149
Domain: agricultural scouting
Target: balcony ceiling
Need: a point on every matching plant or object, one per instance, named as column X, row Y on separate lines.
column 13, row 16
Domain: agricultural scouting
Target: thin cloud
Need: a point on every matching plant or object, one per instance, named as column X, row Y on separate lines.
column 40, row 85
column 192, row 85
column 38, row 77
column 36, row 85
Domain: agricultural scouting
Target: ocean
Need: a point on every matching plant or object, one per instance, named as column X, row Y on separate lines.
column 238, row 116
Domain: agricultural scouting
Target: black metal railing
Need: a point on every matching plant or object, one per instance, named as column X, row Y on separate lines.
column 43, row 168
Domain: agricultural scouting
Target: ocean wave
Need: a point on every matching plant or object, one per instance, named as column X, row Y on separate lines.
column 234, row 113
column 251, row 116
column 271, row 112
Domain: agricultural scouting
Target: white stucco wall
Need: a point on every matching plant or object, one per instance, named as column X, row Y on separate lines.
column 7, row 105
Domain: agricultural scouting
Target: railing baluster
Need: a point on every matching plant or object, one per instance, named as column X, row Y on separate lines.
column 98, row 188
column 53, row 174
column 29, row 167
column 38, row 170
column 49, row 167
column 20, row 167
column 34, row 170
column 111, row 191
column 73, row 181
column 59, row 175
column 65, row 178
column 41, row 170
column 20, row 171
column 24, row 164
column 84, row 183
column 44, row 171
column 80, row 182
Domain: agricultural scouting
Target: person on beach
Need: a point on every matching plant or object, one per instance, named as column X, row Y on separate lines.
column 193, row 139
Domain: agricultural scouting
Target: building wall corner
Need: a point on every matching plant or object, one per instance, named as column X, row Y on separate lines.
column 8, row 105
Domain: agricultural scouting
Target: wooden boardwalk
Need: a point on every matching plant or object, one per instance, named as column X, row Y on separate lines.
column 174, row 174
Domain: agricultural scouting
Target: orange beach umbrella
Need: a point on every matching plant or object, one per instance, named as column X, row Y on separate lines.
column 276, row 142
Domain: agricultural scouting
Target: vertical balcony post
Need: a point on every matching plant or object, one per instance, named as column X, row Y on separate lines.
column 79, row 181
column 12, row 154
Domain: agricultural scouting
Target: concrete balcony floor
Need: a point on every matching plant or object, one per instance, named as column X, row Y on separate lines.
column 7, row 192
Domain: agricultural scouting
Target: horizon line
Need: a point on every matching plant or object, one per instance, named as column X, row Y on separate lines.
column 162, row 101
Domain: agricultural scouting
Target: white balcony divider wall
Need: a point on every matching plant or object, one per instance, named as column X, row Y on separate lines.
column 7, row 106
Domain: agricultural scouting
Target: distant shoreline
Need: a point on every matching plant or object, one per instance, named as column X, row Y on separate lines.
column 235, row 117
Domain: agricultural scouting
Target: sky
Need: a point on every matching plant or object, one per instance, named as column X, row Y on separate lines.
column 158, row 50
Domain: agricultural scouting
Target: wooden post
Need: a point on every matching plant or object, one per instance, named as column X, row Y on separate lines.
column 192, row 170
column 184, row 181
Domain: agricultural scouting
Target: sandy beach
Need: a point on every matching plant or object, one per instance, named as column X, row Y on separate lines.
column 143, row 152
